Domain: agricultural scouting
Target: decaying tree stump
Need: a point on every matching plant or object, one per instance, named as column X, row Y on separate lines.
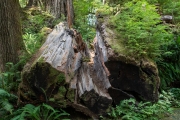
column 62, row 72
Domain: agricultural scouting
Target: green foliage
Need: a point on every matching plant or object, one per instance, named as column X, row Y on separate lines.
column 131, row 110
column 6, row 100
column 9, row 80
column 104, row 10
column 176, row 93
column 172, row 7
column 85, row 19
column 169, row 65
column 33, row 24
column 41, row 112
column 168, row 72
column 139, row 29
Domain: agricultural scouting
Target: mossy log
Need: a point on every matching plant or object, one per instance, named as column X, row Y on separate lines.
column 138, row 77
column 62, row 72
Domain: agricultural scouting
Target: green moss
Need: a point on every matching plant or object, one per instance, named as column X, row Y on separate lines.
column 71, row 95
column 61, row 93
column 60, row 96
column 61, row 78
column 55, row 77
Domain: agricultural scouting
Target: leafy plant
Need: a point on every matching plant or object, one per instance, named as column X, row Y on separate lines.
column 10, row 79
column 31, row 42
column 169, row 65
column 175, row 92
column 132, row 110
column 41, row 112
column 6, row 100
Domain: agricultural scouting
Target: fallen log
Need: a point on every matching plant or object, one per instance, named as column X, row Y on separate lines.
column 61, row 71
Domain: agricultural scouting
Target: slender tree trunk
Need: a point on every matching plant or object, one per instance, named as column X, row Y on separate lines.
column 10, row 32
column 70, row 13
column 30, row 3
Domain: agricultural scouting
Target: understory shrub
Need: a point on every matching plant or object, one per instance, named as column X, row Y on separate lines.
column 6, row 100
column 132, row 110
column 169, row 65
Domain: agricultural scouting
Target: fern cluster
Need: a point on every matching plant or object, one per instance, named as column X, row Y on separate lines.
column 132, row 110
column 139, row 29
column 6, row 100
column 41, row 112
column 169, row 65
column 10, row 79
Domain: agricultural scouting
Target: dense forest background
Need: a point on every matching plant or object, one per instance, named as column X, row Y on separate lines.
column 147, row 29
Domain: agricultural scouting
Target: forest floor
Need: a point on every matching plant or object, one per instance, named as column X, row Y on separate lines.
column 174, row 116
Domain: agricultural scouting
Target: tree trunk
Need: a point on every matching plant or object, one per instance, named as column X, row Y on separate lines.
column 10, row 32
column 70, row 13
column 60, row 8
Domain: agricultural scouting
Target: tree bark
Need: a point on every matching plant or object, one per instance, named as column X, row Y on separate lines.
column 11, row 42
column 70, row 13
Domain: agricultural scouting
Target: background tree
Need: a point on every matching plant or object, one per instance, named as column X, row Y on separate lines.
column 10, row 32
column 60, row 8
column 31, row 3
